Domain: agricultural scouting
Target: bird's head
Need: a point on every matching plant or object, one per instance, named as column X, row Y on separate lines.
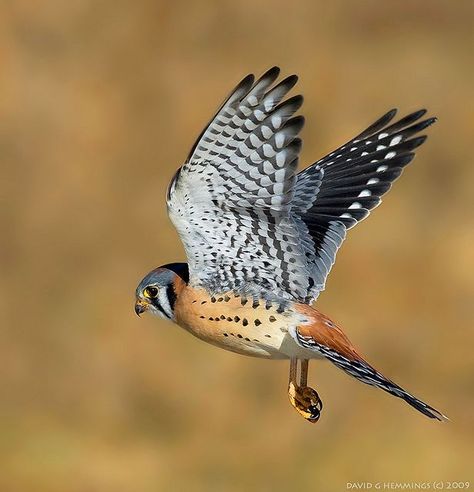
column 158, row 290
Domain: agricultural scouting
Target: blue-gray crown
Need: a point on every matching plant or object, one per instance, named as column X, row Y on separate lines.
column 164, row 275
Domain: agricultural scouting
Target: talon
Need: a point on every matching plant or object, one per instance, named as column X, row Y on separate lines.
column 306, row 402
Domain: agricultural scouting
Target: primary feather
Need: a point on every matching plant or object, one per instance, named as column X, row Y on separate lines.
column 249, row 223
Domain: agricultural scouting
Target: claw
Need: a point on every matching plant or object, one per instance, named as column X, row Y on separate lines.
column 306, row 402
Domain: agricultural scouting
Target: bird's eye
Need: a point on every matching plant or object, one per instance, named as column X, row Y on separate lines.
column 150, row 292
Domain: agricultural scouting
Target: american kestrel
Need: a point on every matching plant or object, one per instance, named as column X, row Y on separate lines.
column 261, row 238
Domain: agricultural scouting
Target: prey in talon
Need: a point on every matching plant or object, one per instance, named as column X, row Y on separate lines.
column 261, row 237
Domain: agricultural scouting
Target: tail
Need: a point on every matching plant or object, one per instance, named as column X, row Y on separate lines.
column 364, row 372
column 326, row 338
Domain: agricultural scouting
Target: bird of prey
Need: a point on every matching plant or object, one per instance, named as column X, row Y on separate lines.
column 261, row 237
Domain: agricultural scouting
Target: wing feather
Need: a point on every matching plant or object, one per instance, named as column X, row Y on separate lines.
column 341, row 189
column 248, row 222
column 231, row 200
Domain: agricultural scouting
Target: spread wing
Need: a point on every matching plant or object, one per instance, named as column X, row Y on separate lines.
column 339, row 190
column 230, row 201
column 248, row 222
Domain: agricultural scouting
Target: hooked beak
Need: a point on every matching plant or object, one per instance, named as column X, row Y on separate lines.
column 140, row 307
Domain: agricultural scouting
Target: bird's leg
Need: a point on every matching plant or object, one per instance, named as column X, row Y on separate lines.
column 292, row 386
column 304, row 372
column 304, row 399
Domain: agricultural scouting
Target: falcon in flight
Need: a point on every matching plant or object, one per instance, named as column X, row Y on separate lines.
column 261, row 237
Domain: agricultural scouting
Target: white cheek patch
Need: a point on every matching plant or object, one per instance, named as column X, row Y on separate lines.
column 165, row 303
column 157, row 312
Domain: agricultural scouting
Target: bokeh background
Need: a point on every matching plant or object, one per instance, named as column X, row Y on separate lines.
column 100, row 102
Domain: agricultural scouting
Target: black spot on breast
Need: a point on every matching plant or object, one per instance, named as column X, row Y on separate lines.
column 257, row 322
column 213, row 299
column 239, row 335
column 245, row 322
column 225, row 334
column 272, row 319
column 247, row 339
column 229, row 318
column 268, row 336
column 236, row 319
column 222, row 316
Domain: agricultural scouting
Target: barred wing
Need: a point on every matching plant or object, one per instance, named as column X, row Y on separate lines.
column 250, row 224
column 339, row 190
column 231, row 200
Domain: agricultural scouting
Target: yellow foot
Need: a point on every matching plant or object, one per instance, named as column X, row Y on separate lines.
column 306, row 402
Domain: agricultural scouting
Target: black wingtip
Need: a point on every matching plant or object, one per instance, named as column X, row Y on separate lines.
column 248, row 80
column 242, row 88
column 288, row 83
column 418, row 127
column 385, row 119
column 272, row 72
column 390, row 114
column 296, row 123
column 378, row 124
column 418, row 114
column 298, row 120
column 291, row 80
column 295, row 102
column 417, row 141
column 269, row 76
column 295, row 145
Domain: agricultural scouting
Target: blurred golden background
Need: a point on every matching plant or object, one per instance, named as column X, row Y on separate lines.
column 100, row 103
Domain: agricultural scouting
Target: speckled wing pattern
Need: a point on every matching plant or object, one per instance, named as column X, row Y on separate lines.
column 248, row 222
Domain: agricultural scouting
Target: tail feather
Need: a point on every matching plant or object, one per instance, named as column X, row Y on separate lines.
column 329, row 341
column 367, row 374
